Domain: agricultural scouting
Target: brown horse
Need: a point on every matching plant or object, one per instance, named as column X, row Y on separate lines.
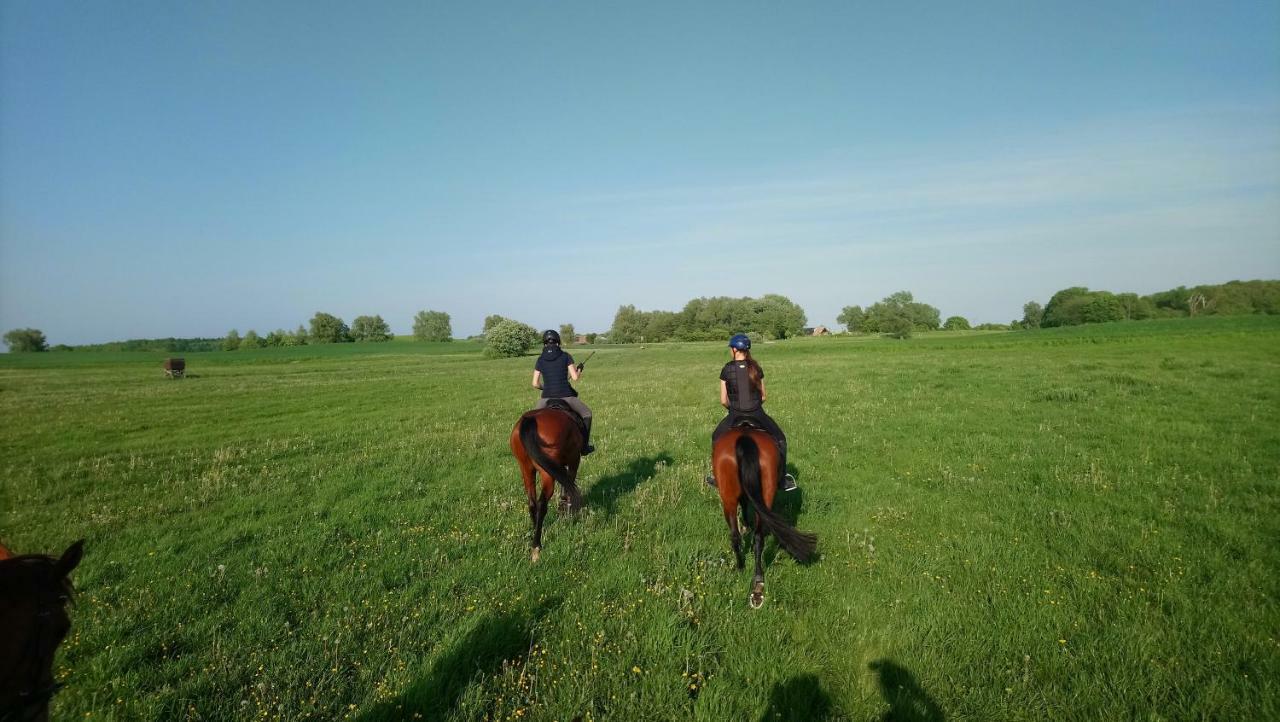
column 547, row 441
column 34, row 591
column 745, row 462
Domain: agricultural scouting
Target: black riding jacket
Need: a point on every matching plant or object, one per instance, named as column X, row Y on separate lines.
column 554, row 365
column 734, row 374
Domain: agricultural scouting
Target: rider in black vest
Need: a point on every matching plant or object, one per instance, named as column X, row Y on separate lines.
column 551, row 373
column 742, row 393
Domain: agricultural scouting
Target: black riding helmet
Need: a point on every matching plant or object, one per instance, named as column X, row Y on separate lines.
column 550, row 337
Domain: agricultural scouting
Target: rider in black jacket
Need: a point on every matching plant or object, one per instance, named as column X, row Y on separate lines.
column 742, row 393
column 551, row 373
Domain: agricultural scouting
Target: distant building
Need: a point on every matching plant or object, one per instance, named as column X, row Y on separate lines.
column 816, row 331
column 580, row 339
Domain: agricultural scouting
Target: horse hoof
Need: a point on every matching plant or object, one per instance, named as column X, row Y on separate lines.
column 757, row 595
column 534, row 556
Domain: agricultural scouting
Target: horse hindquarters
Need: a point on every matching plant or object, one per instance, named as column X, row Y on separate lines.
column 800, row 545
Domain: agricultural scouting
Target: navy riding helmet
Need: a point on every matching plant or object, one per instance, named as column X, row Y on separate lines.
column 549, row 337
column 741, row 341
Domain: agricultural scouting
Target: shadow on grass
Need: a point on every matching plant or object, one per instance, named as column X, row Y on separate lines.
column 798, row 699
column 605, row 492
column 907, row 702
column 481, row 653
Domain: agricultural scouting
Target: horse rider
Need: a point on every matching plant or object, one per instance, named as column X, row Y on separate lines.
column 742, row 393
column 552, row 373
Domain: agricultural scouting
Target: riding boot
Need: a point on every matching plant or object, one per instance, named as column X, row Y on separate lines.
column 587, row 448
column 788, row 482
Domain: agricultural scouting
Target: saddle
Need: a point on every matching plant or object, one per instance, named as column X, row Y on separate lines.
column 742, row 421
column 561, row 405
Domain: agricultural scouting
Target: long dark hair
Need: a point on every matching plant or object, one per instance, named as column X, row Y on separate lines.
column 754, row 372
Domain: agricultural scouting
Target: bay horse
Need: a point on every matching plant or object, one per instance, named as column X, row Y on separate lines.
column 548, row 441
column 745, row 462
column 34, row 592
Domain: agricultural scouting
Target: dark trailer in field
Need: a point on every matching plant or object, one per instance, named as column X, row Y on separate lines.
column 175, row 367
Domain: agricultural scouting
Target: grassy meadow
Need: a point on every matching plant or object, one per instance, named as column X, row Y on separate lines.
column 1077, row 523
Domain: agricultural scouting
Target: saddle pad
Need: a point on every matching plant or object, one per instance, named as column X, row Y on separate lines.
column 561, row 405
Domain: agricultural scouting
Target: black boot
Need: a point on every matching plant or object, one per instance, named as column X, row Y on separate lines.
column 587, row 448
column 788, row 482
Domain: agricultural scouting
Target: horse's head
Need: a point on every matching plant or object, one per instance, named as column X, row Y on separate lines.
column 34, row 592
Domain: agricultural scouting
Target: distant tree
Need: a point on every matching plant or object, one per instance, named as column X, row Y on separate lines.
column 897, row 327
column 275, row 338
column 232, row 341
column 777, row 316
column 326, row 328
column 991, row 327
column 1135, row 307
column 956, row 323
column 851, row 317
column 591, row 337
column 1032, row 314
column 1065, row 308
column 884, row 316
column 566, row 334
column 251, row 340
column 432, row 326
column 659, row 325
column 535, row 336
column 629, row 325
column 299, row 337
column 26, row 340
column 506, row 339
column 1101, row 308
column 370, row 328
column 61, row 347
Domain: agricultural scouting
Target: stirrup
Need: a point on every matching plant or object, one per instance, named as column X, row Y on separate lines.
column 588, row 449
column 789, row 483
column 711, row 481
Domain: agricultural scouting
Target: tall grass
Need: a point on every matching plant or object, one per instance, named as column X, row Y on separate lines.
column 1076, row 523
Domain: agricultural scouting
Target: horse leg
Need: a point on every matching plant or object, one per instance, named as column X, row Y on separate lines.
column 528, row 475
column 571, row 498
column 757, row 582
column 735, row 534
column 539, row 510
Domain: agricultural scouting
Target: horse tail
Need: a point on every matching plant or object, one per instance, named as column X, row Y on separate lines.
column 798, row 544
column 533, row 447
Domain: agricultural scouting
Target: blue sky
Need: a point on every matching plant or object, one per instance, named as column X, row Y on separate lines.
column 181, row 169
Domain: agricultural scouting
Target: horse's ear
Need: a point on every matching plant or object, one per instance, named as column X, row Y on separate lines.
column 70, row 558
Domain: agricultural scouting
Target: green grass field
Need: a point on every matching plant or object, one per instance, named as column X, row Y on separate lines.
column 1070, row 524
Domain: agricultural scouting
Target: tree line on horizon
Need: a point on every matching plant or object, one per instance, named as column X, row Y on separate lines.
column 323, row 328
column 1079, row 305
column 771, row 316
column 327, row 328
